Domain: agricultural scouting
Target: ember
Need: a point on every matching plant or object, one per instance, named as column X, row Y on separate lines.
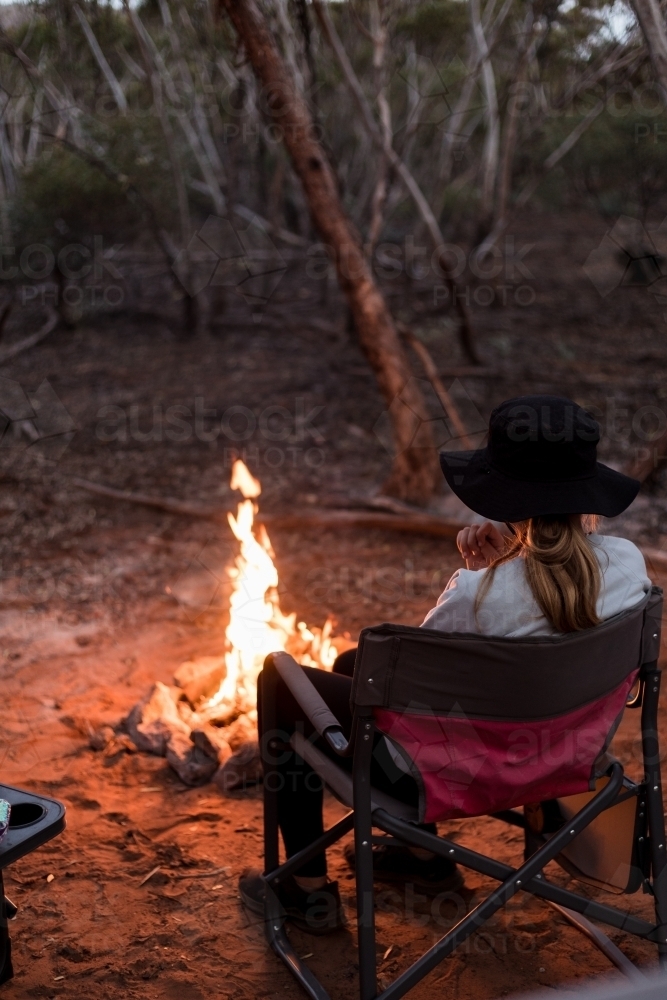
column 213, row 700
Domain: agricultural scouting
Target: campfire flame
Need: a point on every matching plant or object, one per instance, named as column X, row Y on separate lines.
column 257, row 625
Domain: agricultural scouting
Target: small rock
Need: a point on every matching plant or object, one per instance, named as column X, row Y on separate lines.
column 121, row 742
column 243, row 768
column 242, row 730
column 190, row 763
column 154, row 720
column 100, row 739
column 201, row 678
column 212, row 742
column 191, row 719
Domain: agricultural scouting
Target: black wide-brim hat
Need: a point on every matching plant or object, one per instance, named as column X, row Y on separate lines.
column 540, row 460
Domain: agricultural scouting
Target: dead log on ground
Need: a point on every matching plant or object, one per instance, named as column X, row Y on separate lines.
column 161, row 503
column 243, row 768
column 34, row 338
column 5, row 313
column 418, row 523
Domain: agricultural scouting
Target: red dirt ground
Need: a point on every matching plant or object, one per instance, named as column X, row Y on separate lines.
column 87, row 625
column 95, row 929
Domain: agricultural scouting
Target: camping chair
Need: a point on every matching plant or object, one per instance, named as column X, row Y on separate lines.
column 485, row 725
column 33, row 821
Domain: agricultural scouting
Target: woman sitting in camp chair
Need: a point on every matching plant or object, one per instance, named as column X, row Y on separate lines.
column 546, row 572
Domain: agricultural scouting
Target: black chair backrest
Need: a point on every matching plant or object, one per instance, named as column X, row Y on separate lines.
column 400, row 667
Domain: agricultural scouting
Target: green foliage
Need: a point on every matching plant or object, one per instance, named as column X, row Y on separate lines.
column 65, row 200
column 616, row 163
column 431, row 24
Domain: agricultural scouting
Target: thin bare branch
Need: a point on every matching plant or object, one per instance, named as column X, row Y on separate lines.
column 27, row 342
column 202, row 145
column 158, row 76
column 432, row 375
column 652, row 22
column 101, row 60
column 566, row 145
column 489, row 163
column 416, row 522
column 402, row 171
column 63, row 104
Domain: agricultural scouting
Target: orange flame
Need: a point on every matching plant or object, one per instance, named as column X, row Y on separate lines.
column 257, row 625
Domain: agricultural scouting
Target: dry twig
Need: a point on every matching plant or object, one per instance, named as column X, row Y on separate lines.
column 34, row 338
column 432, row 375
column 416, row 523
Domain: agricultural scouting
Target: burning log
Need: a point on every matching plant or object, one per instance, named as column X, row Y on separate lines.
column 155, row 720
column 191, row 764
column 242, row 730
column 200, row 678
column 242, row 769
column 212, row 742
column 207, row 724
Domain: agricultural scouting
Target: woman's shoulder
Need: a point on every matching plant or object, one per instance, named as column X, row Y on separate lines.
column 620, row 550
column 465, row 583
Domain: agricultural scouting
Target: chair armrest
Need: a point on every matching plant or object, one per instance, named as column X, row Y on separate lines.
column 310, row 700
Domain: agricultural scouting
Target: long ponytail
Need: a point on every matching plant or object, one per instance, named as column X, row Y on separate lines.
column 561, row 569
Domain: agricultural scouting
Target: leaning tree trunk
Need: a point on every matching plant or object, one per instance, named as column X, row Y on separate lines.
column 652, row 22
column 415, row 468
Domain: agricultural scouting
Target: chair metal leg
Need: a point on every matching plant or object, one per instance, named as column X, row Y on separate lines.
column 271, row 776
column 515, row 882
column 363, row 846
column 280, row 943
column 6, row 906
column 274, row 919
column 539, row 886
column 654, row 805
column 328, row 838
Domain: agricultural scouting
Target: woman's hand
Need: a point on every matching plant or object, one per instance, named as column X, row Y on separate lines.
column 480, row 544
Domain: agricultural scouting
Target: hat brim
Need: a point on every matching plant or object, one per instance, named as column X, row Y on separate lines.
column 501, row 498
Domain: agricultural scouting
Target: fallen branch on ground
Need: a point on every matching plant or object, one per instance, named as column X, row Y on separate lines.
column 5, row 314
column 34, row 338
column 161, row 503
column 417, row 523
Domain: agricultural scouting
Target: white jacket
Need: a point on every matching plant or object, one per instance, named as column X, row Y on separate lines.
column 509, row 607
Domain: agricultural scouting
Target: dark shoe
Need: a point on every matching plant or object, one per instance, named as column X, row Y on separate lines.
column 318, row 912
column 398, row 865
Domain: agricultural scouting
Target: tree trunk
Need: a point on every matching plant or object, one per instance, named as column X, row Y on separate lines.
column 415, row 467
column 492, row 137
column 516, row 92
column 652, row 23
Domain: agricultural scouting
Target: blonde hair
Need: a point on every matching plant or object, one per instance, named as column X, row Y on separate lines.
column 562, row 569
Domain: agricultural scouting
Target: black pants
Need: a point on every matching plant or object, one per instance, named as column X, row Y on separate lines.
column 300, row 788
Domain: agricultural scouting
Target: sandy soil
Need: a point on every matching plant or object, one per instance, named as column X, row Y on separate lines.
column 99, row 599
column 100, row 927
